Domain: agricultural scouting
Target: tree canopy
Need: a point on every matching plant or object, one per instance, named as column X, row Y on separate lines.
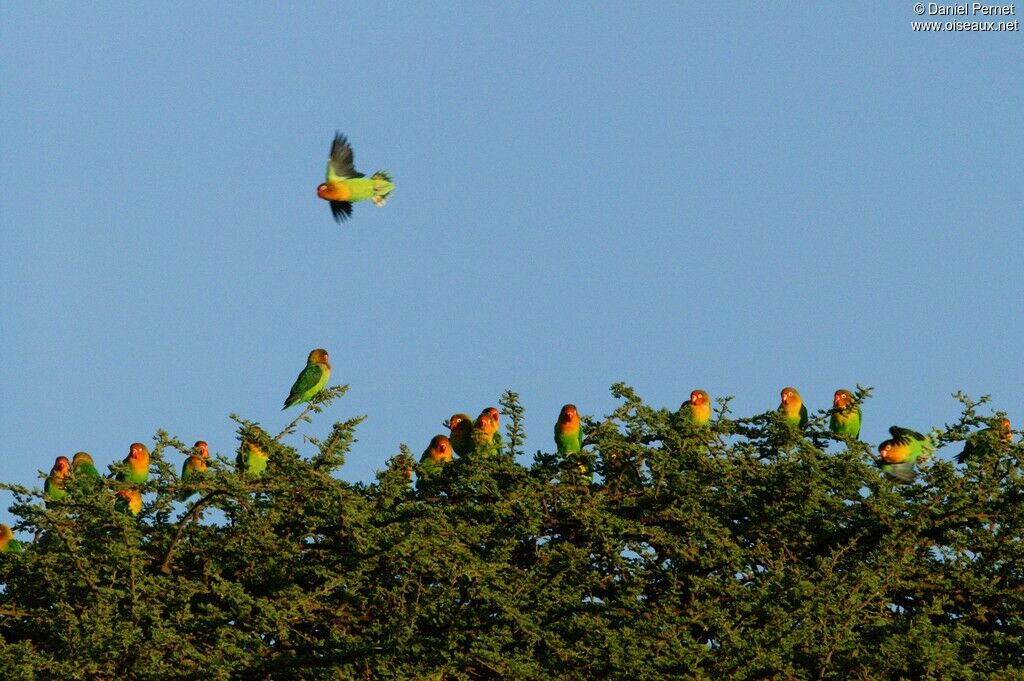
column 746, row 548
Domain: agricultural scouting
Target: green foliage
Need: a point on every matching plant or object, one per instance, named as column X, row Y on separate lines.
column 742, row 550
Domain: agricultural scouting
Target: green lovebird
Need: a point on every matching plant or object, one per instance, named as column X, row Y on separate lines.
column 792, row 408
column 568, row 433
column 82, row 466
column 311, row 380
column 569, row 440
column 461, row 435
column 436, row 455
column 194, row 468
column 129, row 501
column 486, row 438
column 7, row 540
column 845, row 419
column 252, row 458
column 137, row 470
column 987, row 439
column 901, row 452
column 345, row 185
column 53, row 488
column 697, row 410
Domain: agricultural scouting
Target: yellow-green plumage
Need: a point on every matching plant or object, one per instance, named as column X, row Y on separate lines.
column 344, row 185
column 792, row 408
column 8, row 544
column 846, row 415
column 311, row 380
column 54, row 486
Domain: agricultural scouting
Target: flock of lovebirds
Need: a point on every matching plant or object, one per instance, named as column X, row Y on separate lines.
column 342, row 187
column 897, row 456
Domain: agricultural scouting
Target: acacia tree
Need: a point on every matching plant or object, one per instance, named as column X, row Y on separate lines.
column 746, row 549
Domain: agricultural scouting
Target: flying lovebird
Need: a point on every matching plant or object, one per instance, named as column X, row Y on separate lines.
column 129, row 501
column 845, row 419
column 697, row 410
column 486, row 438
column 568, row 433
column 82, row 465
column 989, row 438
column 311, row 380
column 900, row 453
column 7, row 540
column 53, row 487
column 345, row 185
column 138, row 464
column 792, row 408
column 252, row 458
column 461, row 433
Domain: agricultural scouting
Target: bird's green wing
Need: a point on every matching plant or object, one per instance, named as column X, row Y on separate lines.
column 340, row 162
column 304, row 384
column 905, row 434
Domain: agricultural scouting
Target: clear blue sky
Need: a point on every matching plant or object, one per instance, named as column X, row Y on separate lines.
column 733, row 196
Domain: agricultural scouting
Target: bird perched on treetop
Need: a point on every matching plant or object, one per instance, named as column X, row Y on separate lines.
column 437, row 454
column 7, row 540
column 83, row 465
column 53, row 487
column 345, row 185
column 194, row 467
column 568, row 433
column 792, row 408
column 486, row 438
column 1002, row 432
column 697, row 410
column 845, row 419
column 129, row 501
column 252, row 459
column 311, row 380
column 901, row 452
column 461, row 435
column 137, row 470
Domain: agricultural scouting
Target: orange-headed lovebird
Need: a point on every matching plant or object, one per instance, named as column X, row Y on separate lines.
column 137, row 461
column 461, row 435
column 792, row 408
column 845, row 419
column 345, row 185
column 311, row 380
column 697, row 410
column 53, row 488
column 900, row 453
column 486, row 438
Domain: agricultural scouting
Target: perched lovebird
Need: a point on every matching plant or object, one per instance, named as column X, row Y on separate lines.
column 82, row 466
column 1002, row 432
column 845, row 419
column 311, row 380
column 461, row 435
column 901, row 452
column 436, row 455
column 53, row 488
column 568, row 433
column 345, row 185
column 7, row 540
column 569, row 440
column 697, row 410
column 138, row 464
column 486, row 438
column 252, row 458
column 194, row 467
column 129, row 501
column 439, row 450
column 792, row 408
